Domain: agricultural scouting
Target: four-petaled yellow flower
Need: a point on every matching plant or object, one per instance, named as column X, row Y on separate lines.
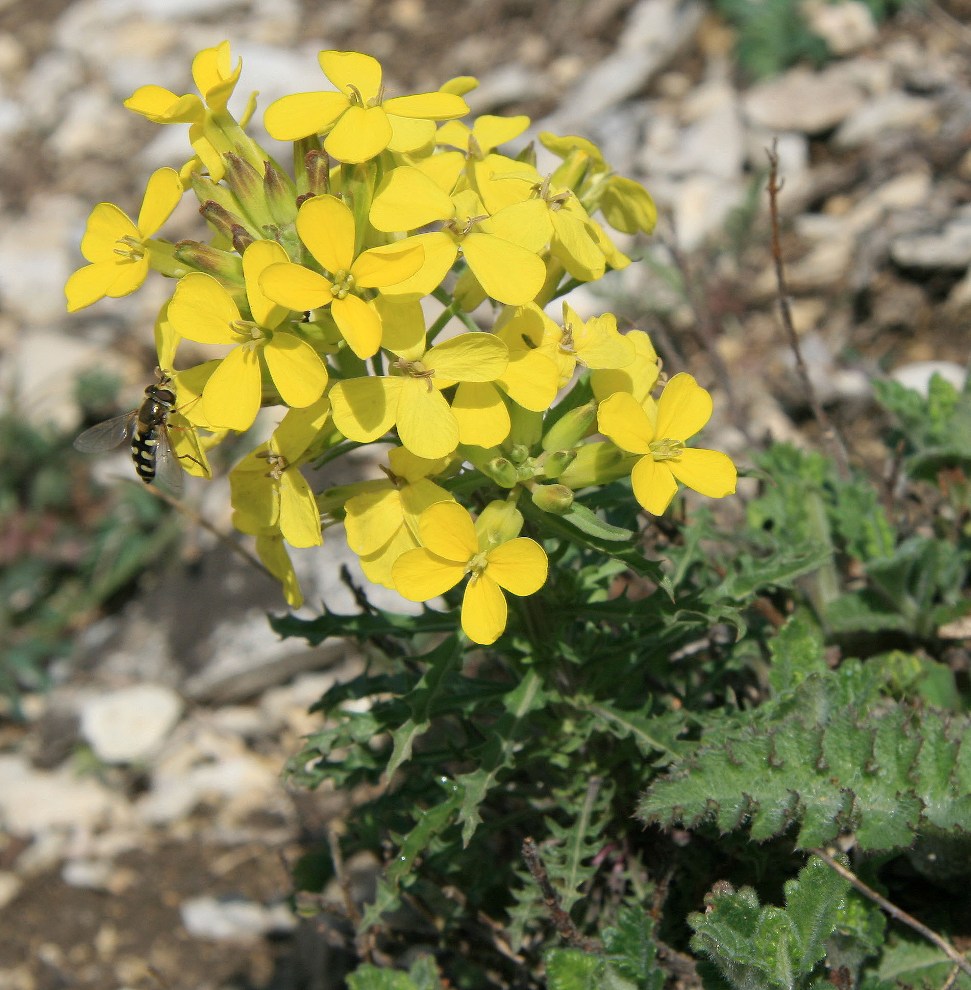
column 452, row 549
column 203, row 311
column 357, row 121
column 119, row 250
column 683, row 409
column 326, row 228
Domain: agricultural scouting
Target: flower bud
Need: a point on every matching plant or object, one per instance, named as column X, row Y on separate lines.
column 317, row 166
column 555, row 499
column 499, row 522
column 246, row 184
column 281, row 195
column 502, row 471
column 597, row 464
column 219, row 218
column 571, row 428
column 556, row 463
column 224, row 265
column 241, row 238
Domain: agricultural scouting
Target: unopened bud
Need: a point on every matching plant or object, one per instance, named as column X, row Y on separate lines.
column 246, row 185
column 281, row 195
column 499, row 522
column 224, row 265
column 597, row 464
column 208, row 191
column 317, row 166
column 555, row 499
column 241, row 238
column 556, row 463
column 219, row 218
column 502, row 471
column 571, row 428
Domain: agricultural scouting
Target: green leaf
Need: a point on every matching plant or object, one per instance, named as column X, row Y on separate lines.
column 797, row 652
column 918, row 964
column 573, row 969
column 631, row 951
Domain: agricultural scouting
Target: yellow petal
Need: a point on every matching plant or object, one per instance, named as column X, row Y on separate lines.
column 440, row 251
column 105, row 227
column 654, row 484
column 202, row 310
column 256, row 259
column 447, row 530
column 623, row 420
column 359, row 324
column 350, row 71
column 360, row 134
column 526, row 224
column 300, row 428
column 231, row 398
column 87, row 285
column 428, row 106
column 378, row 566
column 273, row 553
column 411, row 136
column 299, row 515
column 509, row 273
column 295, row 287
column 402, row 325
column 372, row 518
column 484, row 610
column 530, row 379
column 302, row 114
column 326, row 227
column 683, row 409
column 407, row 198
column 520, row 566
column 481, row 414
column 365, row 408
column 420, row 576
column 162, row 106
column 386, row 266
column 162, row 195
column 469, row 357
column 708, row 472
column 627, row 206
column 425, row 423
column 296, row 369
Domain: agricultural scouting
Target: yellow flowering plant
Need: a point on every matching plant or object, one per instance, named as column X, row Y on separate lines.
column 403, row 291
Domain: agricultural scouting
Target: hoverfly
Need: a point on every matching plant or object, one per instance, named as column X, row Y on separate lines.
column 151, row 449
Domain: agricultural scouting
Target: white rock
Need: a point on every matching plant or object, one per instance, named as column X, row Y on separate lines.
column 947, row 249
column 34, row 801
column 89, row 874
column 92, row 121
column 802, row 100
column 10, row 887
column 891, row 111
column 699, row 203
column 207, row 917
column 845, row 27
column 129, row 725
column 917, row 375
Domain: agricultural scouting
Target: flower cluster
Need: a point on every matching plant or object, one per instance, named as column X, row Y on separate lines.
column 314, row 293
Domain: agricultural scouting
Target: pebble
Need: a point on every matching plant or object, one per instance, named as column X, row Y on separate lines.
column 802, row 100
column 236, row 919
column 892, row 111
column 845, row 27
column 130, row 724
column 918, row 374
column 949, row 249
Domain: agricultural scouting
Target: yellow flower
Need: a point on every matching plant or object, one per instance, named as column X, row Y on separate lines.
column 382, row 523
column 501, row 250
column 453, row 548
column 267, row 489
column 683, row 409
column 358, row 122
column 326, row 227
column 212, row 129
column 366, row 408
column 203, row 310
column 118, row 249
column 638, row 378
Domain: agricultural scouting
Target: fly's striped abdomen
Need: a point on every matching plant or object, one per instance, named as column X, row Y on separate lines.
column 144, row 445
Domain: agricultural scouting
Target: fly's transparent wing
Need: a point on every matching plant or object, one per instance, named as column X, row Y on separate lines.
column 107, row 435
column 168, row 470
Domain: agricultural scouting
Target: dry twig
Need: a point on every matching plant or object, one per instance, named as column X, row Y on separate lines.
column 898, row 914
